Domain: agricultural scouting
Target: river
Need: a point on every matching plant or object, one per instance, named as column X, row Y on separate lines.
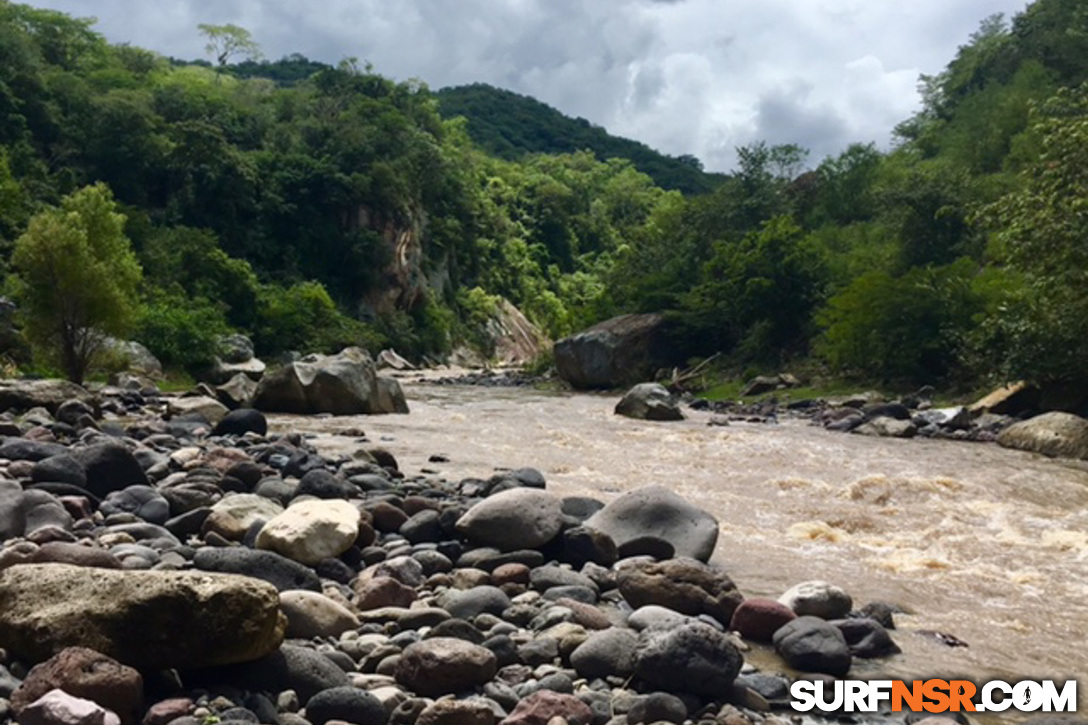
column 986, row 544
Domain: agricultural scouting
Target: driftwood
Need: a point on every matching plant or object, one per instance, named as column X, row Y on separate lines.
column 677, row 381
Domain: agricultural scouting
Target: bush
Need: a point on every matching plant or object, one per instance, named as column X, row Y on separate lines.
column 179, row 331
column 303, row 317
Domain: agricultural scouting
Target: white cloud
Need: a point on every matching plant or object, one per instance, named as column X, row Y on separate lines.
column 684, row 76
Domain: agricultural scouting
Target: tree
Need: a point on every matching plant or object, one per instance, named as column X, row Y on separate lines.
column 76, row 278
column 227, row 41
column 1042, row 231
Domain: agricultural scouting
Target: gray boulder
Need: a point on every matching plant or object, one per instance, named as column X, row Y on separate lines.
column 518, row 518
column 137, row 358
column 817, row 598
column 656, row 511
column 610, row 652
column 26, row 394
column 619, row 351
column 692, row 657
column 341, row 384
column 1059, row 435
column 649, row 401
column 811, row 644
column 682, row 585
column 136, row 616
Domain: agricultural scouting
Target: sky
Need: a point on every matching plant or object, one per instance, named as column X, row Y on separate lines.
column 698, row 77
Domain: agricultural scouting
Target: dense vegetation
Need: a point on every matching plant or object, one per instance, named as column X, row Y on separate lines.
column 511, row 126
column 313, row 206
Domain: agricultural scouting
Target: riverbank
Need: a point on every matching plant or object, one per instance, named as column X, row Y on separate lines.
column 408, row 483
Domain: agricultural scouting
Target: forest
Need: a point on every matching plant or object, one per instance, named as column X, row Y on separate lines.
column 312, row 206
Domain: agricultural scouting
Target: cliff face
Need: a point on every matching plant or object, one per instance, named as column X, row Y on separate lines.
column 403, row 284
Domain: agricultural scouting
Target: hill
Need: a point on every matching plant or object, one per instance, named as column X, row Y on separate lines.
column 511, row 126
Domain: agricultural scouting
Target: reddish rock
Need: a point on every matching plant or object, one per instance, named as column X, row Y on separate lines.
column 457, row 712
column 540, row 707
column 510, row 574
column 166, row 711
column 586, row 615
column 382, row 591
column 85, row 674
column 387, row 517
column 757, row 618
column 444, row 665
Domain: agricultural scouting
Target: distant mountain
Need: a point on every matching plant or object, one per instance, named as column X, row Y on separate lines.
column 510, row 125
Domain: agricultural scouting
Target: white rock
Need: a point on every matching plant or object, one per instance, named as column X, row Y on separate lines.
column 248, row 507
column 309, row 531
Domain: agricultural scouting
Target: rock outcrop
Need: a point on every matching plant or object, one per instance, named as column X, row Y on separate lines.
column 621, row 351
column 341, row 384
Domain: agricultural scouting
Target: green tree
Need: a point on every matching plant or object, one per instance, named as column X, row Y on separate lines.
column 228, row 41
column 1042, row 231
column 76, row 278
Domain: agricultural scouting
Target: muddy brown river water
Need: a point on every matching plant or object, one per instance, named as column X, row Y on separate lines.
column 986, row 544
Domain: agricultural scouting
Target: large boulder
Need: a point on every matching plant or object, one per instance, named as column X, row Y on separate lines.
column 341, row 384
column 146, row 619
column 619, row 351
column 649, row 401
column 1060, row 435
column 136, row 358
column 655, row 511
column 682, row 585
column 26, row 394
column 518, row 518
column 811, row 644
column 691, row 657
column 211, row 409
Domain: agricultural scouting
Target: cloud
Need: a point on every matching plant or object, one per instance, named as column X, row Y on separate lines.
column 684, row 76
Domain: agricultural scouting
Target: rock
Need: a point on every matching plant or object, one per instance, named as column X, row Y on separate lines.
column 390, row 396
column 692, row 657
column 619, row 351
column 234, row 348
column 63, row 552
column 811, row 644
column 657, row 511
column 657, row 707
column 247, row 508
column 142, row 501
column 62, row 468
column 320, row 483
column 347, row 704
column 582, row 545
column 606, row 653
column 818, row 599
column 23, row 512
column 310, row 614
column 382, row 591
column 23, row 395
column 473, row 711
column 541, row 707
column 955, row 418
column 57, row 707
column 1059, row 435
column 443, row 665
column 87, row 674
column 109, row 467
column 342, row 384
column 211, row 409
column 72, row 412
column 136, row 357
column 886, row 427
column 309, row 531
column 649, row 401
column 136, row 616
column 767, row 383
column 866, row 638
column 222, row 371
column 236, row 392
column 1013, row 399
column 292, row 667
column 471, row 603
column 242, row 421
column 519, row 518
column 653, row 616
column 682, row 585
column 758, row 618
column 279, row 571
column 388, row 359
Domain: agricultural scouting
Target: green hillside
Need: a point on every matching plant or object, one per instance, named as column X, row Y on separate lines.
column 510, row 126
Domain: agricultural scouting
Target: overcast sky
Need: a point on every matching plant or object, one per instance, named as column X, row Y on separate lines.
column 684, row 76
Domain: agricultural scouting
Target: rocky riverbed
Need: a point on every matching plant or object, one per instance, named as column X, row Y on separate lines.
column 178, row 572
